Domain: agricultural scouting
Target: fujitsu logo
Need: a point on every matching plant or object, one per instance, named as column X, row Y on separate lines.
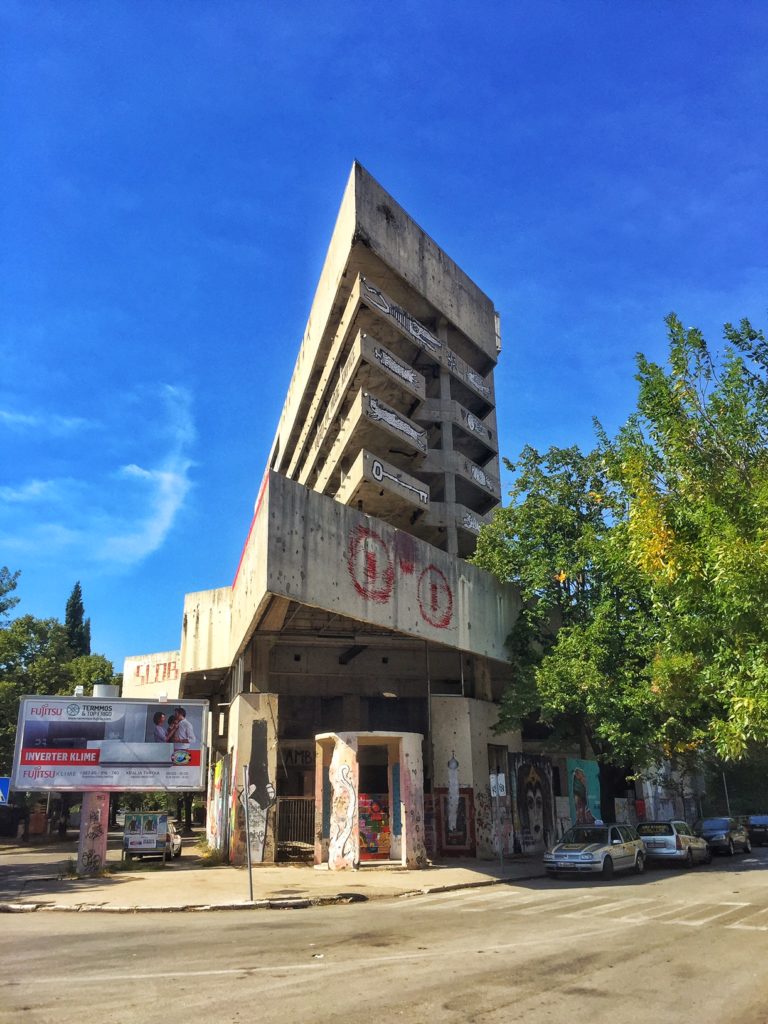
column 45, row 710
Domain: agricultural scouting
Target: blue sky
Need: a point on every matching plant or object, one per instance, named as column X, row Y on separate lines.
column 169, row 178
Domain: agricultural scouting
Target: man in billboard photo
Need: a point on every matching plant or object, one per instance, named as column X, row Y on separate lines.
column 183, row 734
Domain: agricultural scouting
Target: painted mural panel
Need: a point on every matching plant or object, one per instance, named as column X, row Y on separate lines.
column 375, row 836
column 583, row 790
column 533, row 801
column 217, row 817
column 455, row 836
column 343, row 832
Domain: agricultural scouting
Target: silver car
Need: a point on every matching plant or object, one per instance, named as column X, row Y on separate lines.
column 674, row 841
column 597, row 850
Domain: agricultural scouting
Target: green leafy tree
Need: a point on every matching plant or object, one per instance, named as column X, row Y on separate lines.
column 8, row 583
column 36, row 657
column 581, row 644
column 693, row 465
column 77, row 626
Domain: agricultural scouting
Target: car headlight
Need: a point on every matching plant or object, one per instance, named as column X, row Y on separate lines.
column 720, row 835
column 587, row 856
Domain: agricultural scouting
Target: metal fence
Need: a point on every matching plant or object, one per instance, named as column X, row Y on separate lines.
column 295, row 827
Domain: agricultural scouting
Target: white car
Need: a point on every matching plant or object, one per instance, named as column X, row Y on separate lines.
column 172, row 848
column 597, row 850
column 674, row 841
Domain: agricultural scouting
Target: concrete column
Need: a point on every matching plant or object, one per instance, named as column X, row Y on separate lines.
column 446, row 438
column 344, row 840
column 414, row 853
column 483, row 690
column 254, row 718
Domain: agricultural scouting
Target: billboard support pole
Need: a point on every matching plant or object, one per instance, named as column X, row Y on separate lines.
column 94, row 828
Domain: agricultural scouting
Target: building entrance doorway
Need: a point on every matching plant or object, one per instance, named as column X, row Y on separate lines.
column 373, row 803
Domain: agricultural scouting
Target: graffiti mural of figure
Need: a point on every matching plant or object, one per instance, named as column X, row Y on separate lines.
column 580, row 791
column 342, row 848
column 533, row 801
column 531, row 804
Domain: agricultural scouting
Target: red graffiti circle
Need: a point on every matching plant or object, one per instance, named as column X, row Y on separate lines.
column 435, row 597
column 370, row 566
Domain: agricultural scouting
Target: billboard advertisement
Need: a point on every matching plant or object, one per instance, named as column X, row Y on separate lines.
column 145, row 833
column 94, row 743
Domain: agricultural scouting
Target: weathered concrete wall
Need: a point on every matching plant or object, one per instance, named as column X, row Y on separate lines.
column 464, row 728
column 414, row 854
column 404, row 246
column 370, row 217
column 253, row 718
column 149, row 676
column 205, row 633
column 329, row 556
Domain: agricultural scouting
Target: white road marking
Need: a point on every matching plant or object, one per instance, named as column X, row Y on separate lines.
column 555, row 905
column 608, row 908
column 699, row 921
column 757, row 916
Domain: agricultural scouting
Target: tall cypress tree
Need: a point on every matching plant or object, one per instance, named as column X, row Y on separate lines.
column 77, row 626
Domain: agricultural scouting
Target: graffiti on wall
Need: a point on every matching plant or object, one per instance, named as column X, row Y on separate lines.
column 156, row 672
column 342, row 844
column 583, row 790
column 374, row 570
column 459, row 840
column 534, row 802
column 261, row 792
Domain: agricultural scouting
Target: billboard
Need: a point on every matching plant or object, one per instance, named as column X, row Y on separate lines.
column 94, row 743
column 145, row 833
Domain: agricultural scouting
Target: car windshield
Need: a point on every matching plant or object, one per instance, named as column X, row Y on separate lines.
column 715, row 823
column 655, row 828
column 586, row 835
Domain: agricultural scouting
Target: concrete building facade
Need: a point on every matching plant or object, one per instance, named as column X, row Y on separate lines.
column 356, row 661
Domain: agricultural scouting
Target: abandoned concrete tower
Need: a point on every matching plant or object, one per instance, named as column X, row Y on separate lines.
column 355, row 662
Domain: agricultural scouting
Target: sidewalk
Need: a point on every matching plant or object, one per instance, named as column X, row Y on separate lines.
column 33, row 876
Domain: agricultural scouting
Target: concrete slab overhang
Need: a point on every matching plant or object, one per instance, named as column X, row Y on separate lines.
column 307, row 548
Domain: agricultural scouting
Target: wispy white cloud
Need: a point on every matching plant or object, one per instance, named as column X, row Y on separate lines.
column 115, row 518
column 56, row 426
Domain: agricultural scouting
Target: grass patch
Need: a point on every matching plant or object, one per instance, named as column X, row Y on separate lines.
column 209, row 857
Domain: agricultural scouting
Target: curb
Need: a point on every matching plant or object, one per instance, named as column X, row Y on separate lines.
column 297, row 903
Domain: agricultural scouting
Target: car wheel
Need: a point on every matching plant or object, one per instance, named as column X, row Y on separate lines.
column 607, row 869
column 177, row 854
column 708, row 856
column 639, row 864
column 731, row 850
column 688, row 858
column 747, row 847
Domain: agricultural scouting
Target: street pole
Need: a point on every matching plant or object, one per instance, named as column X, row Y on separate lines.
column 727, row 801
column 247, row 831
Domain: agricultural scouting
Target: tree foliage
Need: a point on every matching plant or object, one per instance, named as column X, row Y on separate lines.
column 77, row 626
column 693, row 464
column 36, row 658
column 8, row 582
column 643, row 565
column 581, row 643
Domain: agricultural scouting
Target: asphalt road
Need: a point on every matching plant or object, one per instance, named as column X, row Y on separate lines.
column 669, row 947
